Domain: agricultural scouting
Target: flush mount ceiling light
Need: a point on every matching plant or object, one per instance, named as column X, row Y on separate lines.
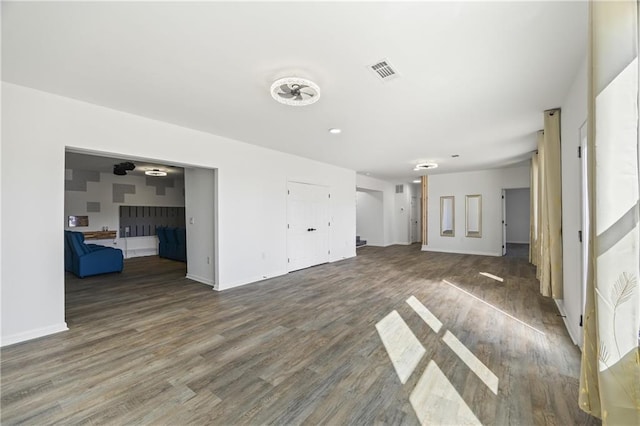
column 335, row 131
column 295, row 91
column 425, row 166
column 155, row 172
column 417, row 181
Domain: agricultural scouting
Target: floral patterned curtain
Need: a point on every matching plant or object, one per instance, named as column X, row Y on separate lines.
column 610, row 370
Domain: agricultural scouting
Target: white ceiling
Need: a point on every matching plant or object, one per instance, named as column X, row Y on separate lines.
column 475, row 77
column 81, row 161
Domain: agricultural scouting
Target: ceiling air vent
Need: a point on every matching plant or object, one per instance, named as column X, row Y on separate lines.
column 384, row 71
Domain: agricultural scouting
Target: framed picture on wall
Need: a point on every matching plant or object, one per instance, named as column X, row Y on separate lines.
column 78, row 221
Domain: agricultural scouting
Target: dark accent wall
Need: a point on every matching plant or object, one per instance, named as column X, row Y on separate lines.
column 143, row 220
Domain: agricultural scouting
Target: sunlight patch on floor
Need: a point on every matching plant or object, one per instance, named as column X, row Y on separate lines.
column 434, row 398
column 494, row 307
column 481, row 370
column 437, row 402
column 403, row 347
column 493, row 277
column 425, row 314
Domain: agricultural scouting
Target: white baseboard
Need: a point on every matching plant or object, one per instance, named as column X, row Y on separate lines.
column 251, row 280
column 207, row 281
column 567, row 324
column 33, row 334
column 476, row 253
column 141, row 252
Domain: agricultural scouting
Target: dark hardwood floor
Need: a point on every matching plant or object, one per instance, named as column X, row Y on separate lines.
column 150, row 346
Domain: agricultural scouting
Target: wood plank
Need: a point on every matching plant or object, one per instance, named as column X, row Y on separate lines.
column 150, row 346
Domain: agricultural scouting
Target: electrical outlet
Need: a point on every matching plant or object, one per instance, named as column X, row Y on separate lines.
column 208, row 260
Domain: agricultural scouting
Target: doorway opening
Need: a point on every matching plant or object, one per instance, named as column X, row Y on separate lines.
column 369, row 218
column 515, row 222
column 123, row 203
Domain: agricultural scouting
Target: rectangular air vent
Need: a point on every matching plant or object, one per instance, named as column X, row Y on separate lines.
column 399, row 189
column 384, row 70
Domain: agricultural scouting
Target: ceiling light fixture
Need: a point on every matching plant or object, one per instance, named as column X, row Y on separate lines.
column 155, row 172
column 425, row 166
column 295, row 91
column 335, row 131
column 121, row 169
column 417, row 181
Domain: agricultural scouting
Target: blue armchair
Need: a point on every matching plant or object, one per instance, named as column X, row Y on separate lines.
column 90, row 259
column 172, row 243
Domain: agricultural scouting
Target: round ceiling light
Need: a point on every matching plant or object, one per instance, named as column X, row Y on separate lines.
column 425, row 166
column 335, row 131
column 155, row 172
column 295, row 91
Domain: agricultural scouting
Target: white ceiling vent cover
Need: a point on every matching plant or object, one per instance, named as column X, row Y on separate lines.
column 384, row 70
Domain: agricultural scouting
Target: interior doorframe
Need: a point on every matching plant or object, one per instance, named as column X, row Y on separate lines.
column 504, row 221
column 584, row 215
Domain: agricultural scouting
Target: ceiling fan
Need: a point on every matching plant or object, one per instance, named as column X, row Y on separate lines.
column 295, row 91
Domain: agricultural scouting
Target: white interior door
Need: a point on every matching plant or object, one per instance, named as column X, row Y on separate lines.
column 414, row 220
column 584, row 216
column 307, row 225
column 504, row 222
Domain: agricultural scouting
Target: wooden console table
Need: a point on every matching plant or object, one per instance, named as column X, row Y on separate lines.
column 100, row 235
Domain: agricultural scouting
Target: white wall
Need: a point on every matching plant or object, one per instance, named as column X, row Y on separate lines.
column 201, row 224
column 396, row 210
column 251, row 197
column 369, row 216
column 402, row 210
column 489, row 184
column 573, row 115
column 75, row 203
column 518, row 224
column 388, row 202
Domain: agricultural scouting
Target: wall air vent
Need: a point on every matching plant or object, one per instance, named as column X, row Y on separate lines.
column 399, row 189
column 384, row 70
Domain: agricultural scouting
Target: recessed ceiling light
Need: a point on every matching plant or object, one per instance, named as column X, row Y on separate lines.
column 425, row 166
column 417, row 181
column 155, row 172
column 455, row 155
column 334, row 131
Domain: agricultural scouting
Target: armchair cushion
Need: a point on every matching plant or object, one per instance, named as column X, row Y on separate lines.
column 88, row 260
